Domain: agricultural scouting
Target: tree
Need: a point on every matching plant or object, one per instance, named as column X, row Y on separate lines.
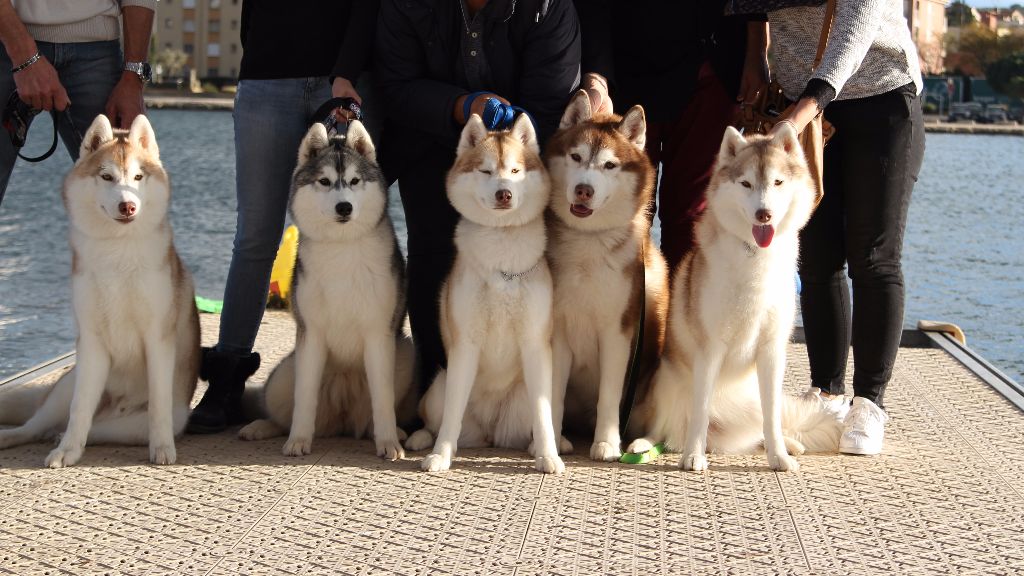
column 959, row 14
column 172, row 61
column 978, row 47
column 1006, row 75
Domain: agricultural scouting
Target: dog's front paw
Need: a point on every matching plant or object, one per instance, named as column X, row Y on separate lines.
column 297, row 446
column 604, row 452
column 564, row 446
column 783, row 463
column 549, row 464
column 694, row 462
column 389, row 449
column 420, row 440
column 435, row 463
column 259, row 430
column 639, row 446
column 62, row 456
column 163, row 454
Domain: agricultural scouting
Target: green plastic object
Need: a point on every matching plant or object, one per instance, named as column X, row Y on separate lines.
column 209, row 306
column 644, row 457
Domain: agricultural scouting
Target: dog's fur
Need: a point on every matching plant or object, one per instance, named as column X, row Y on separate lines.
column 138, row 329
column 719, row 385
column 495, row 305
column 352, row 365
column 603, row 263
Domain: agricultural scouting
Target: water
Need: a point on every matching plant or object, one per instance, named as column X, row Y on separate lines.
column 963, row 261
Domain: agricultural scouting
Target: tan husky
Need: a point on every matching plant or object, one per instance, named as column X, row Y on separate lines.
column 603, row 263
column 138, row 330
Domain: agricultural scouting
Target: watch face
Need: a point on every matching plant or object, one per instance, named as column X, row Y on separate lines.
column 147, row 72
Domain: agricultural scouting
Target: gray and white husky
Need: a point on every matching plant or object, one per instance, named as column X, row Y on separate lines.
column 138, row 330
column 352, row 365
column 719, row 385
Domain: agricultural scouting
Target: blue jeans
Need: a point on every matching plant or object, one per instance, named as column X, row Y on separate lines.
column 271, row 117
column 88, row 71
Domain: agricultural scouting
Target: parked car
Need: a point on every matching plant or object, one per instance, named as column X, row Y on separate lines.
column 965, row 111
column 995, row 114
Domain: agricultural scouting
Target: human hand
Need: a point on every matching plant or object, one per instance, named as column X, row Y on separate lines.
column 754, row 79
column 40, row 87
column 803, row 112
column 125, row 101
column 596, row 88
column 476, row 107
column 343, row 88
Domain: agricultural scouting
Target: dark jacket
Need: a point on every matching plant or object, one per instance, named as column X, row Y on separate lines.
column 651, row 50
column 533, row 47
column 306, row 39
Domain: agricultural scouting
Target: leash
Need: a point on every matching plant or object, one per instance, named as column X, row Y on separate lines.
column 497, row 116
column 16, row 118
column 633, row 373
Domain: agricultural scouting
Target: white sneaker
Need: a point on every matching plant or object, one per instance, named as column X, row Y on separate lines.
column 863, row 428
column 835, row 406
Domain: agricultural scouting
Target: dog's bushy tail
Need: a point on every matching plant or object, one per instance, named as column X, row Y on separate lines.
column 811, row 422
column 18, row 402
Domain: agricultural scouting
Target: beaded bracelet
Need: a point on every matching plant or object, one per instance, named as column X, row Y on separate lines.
column 35, row 57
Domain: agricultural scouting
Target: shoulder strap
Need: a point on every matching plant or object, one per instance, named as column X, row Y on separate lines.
column 826, row 28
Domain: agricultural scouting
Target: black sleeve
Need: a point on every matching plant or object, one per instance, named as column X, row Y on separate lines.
column 400, row 72
column 596, row 29
column 551, row 67
column 357, row 46
column 246, row 14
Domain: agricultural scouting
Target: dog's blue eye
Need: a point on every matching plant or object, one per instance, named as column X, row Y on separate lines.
column 610, row 165
column 488, row 172
column 353, row 182
column 778, row 182
column 575, row 157
column 324, row 182
column 107, row 177
column 745, row 184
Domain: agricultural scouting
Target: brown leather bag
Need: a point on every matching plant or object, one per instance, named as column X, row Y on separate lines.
column 771, row 107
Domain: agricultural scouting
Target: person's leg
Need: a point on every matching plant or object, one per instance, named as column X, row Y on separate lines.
column 270, row 119
column 689, row 147
column 431, row 222
column 888, row 142
column 89, row 71
column 824, row 294
column 8, row 153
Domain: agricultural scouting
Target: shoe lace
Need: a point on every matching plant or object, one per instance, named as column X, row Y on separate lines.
column 862, row 417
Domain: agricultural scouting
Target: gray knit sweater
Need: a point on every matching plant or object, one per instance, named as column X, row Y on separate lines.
column 869, row 51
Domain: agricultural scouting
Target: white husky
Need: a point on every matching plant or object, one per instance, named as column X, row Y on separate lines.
column 495, row 305
column 603, row 263
column 352, row 363
column 138, row 330
column 719, row 385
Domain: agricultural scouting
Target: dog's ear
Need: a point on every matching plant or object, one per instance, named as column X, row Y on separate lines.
column 634, row 127
column 472, row 134
column 523, row 131
column 732, row 142
column 785, row 137
column 141, row 135
column 577, row 111
column 358, row 139
column 315, row 140
column 99, row 133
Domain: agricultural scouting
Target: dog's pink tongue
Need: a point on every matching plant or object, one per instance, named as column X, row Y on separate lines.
column 763, row 234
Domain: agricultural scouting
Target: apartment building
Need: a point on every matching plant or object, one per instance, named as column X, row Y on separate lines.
column 206, row 30
column 927, row 21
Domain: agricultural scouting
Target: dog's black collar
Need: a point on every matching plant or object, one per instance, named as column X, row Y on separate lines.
column 510, row 276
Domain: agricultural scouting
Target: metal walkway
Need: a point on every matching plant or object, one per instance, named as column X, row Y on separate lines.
column 947, row 497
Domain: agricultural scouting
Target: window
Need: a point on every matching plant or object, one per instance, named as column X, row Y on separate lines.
column 188, row 25
column 214, row 26
column 212, row 72
column 213, row 49
column 214, row 3
column 188, row 3
column 168, row 23
column 234, row 24
column 188, row 48
column 234, row 48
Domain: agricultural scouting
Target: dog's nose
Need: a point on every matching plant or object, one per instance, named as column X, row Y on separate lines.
column 343, row 208
column 584, row 192
column 503, row 196
column 127, row 208
column 763, row 216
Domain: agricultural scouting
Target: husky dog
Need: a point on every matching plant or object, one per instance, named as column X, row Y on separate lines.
column 495, row 305
column 719, row 385
column 138, row 330
column 602, row 260
column 352, row 364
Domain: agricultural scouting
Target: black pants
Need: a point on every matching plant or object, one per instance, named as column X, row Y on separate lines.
column 430, row 220
column 871, row 166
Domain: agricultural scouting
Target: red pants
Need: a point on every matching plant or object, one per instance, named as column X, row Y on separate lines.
column 686, row 149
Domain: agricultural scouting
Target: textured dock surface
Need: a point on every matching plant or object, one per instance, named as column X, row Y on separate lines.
column 947, row 497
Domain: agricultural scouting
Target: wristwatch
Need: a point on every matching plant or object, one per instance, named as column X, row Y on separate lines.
column 141, row 69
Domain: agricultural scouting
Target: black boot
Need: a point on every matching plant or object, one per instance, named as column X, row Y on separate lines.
column 221, row 406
